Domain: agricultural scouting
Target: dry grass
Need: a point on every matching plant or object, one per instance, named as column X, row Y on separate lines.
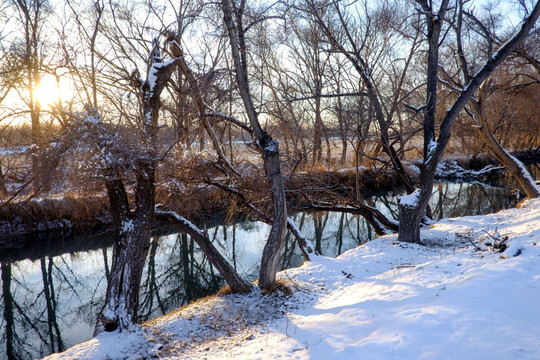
column 280, row 287
column 68, row 208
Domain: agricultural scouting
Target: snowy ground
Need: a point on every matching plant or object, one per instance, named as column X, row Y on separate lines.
column 456, row 298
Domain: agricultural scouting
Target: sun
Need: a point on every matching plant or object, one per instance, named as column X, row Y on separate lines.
column 47, row 91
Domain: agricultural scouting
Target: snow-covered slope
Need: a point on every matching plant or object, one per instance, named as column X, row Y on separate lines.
column 456, row 298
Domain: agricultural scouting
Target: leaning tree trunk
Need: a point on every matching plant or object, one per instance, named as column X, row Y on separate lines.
column 233, row 279
column 269, row 148
column 479, row 115
column 514, row 166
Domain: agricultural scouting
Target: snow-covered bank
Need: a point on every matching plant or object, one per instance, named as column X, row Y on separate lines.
column 455, row 298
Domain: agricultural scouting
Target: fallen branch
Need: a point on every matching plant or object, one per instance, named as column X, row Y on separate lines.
column 233, row 279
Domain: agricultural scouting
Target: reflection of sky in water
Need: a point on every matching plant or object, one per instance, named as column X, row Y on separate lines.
column 79, row 279
column 249, row 245
column 79, row 288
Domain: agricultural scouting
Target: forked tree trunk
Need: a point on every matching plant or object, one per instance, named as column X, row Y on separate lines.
column 132, row 242
column 411, row 207
column 133, row 230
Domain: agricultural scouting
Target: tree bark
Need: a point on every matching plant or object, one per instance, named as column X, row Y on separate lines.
column 3, row 188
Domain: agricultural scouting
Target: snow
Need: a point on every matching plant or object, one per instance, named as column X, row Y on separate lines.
column 457, row 297
column 153, row 73
column 152, row 78
column 14, row 150
column 432, row 147
column 410, row 200
column 128, row 226
column 271, row 146
column 450, row 169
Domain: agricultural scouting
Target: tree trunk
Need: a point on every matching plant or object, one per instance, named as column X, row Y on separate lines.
column 318, row 128
column 271, row 252
column 36, row 150
column 133, row 231
column 3, row 188
column 412, row 207
column 132, row 242
column 268, row 147
column 328, row 146
column 516, row 167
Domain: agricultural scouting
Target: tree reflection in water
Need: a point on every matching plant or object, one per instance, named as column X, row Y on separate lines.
column 52, row 302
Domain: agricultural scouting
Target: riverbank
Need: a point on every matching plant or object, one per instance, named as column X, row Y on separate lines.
column 74, row 214
column 469, row 293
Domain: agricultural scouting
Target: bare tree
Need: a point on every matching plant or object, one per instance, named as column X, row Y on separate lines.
column 133, row 229
column 412, row 207
column 311, row 61
column 29, row 50
column 234, row 21
column 354, row 41
column 479, row 106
